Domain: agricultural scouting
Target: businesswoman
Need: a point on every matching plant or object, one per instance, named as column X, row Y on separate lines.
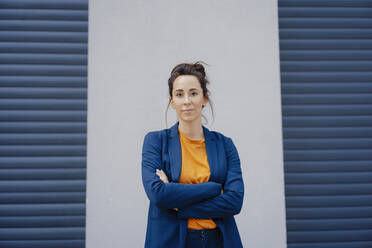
column 191, row 175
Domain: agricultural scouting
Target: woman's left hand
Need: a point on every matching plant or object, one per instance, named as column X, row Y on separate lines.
column 161, row 174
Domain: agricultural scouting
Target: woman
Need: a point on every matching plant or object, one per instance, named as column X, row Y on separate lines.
column 191, row 175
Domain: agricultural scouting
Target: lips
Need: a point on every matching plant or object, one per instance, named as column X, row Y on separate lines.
column 187, row 110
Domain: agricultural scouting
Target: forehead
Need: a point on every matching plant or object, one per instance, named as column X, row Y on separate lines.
column 186, row 82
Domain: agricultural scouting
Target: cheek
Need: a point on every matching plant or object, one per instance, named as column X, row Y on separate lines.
column 177, row 106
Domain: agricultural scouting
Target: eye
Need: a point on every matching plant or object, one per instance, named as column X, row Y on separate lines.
column 178, row 94
column 194, row 93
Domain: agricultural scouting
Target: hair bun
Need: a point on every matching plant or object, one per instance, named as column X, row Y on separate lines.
column 199, row 67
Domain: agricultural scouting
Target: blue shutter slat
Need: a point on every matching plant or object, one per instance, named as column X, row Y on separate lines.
column 317, row 22
column 42, row 115
column 43, row 104
column 43, row 123
column 320, row 66
column 43, row 14
column 328, row 213
column 363, row 76
column 330, row 121
column 38, row 174
column 74, row 185
column 326, row 44
column 330, row 236
column 45, row 4
column 353, row 244
column 54, row 92
column 360, row 98
column 328, row 166
column 328, row 55
column 41, row 221
column 42, row 243
column 330, row 224
column 45, row 127
column 326, row 154
column 42, row 139
column 43, row 81
column 48, row 70
column 327, row 132
column 37, row 36
column 327, row 143
column 55, row 209
column 40, row 47
column 42, row 233
column 299, row 88
column 330, row 201
column 44, row 25
column 50, row 59
column 339, row 109
column 42, row 162
column 325, row 3
column 326, row 11
column 329, row 189
column 43, row 197
column 330, row 177
column 42, row 150
column 325, row 33
column 326, row 87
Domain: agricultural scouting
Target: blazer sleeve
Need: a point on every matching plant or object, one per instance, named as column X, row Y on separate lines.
column 226, row 204
column 169, row 195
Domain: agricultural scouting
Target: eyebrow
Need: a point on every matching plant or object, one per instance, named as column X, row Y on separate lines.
column 190, row 89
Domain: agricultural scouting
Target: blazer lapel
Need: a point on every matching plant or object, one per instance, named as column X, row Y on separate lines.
column 175, row 152
column 211, row 148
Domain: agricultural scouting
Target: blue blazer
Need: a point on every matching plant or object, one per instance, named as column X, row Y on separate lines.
column 167, row 227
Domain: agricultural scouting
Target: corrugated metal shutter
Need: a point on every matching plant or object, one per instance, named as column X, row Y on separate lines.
column 43, row 83
column 326, row 79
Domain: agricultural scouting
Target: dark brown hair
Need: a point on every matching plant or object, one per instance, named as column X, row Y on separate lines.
column 196, row 69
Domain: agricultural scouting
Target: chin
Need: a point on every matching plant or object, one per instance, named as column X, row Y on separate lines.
column 189, row 119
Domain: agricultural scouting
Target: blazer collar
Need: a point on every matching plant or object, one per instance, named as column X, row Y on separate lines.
column 175, row 152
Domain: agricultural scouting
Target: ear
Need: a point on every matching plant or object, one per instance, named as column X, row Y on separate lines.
column 206, row 100
column 171, row 102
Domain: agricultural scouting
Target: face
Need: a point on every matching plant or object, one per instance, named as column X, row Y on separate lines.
column 187, row 98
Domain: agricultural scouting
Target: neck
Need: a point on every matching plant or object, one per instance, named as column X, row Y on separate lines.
column 192, row 130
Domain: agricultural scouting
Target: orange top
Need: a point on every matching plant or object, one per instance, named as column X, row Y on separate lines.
column 195, row 169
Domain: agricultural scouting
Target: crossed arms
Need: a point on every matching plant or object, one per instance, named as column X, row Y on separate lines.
column 202, row 200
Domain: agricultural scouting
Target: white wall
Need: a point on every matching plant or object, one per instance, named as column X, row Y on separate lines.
column 133, row 45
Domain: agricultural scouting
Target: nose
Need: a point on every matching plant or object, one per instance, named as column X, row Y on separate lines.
column 186, row 99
